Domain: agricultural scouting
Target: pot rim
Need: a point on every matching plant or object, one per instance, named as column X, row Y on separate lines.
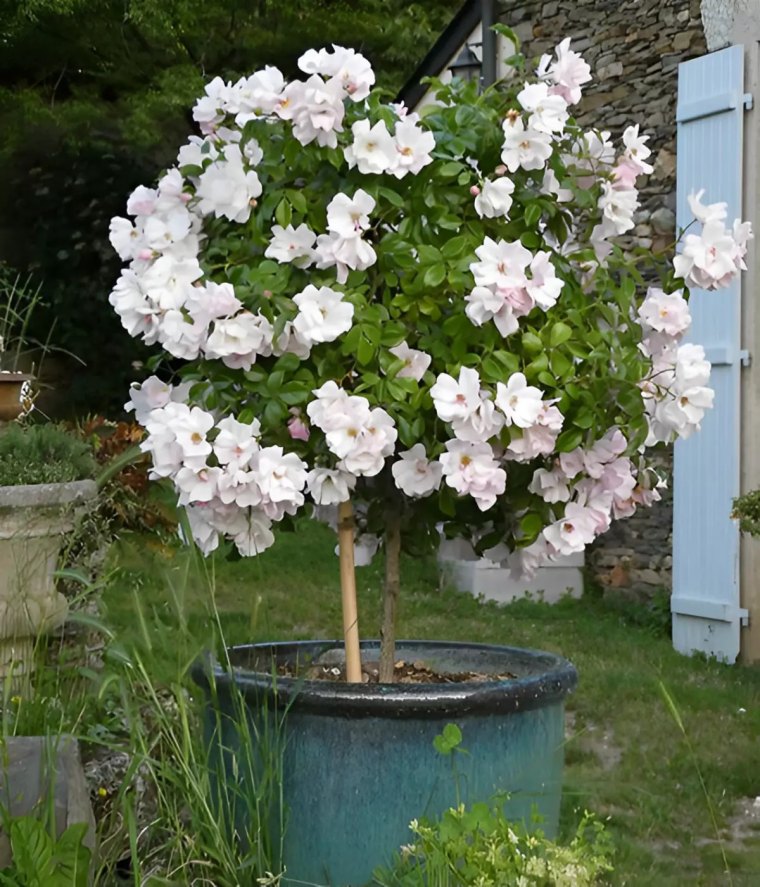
column 13, row 376
column 47, row 495
column 554, row 680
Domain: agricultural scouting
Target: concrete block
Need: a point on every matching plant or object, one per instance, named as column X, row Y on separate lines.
column 486, row 579
column 31, row 767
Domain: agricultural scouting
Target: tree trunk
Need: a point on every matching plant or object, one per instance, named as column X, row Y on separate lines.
column 390, row 594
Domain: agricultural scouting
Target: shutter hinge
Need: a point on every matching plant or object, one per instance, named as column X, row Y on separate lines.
column 746, row 358
column 748, row 101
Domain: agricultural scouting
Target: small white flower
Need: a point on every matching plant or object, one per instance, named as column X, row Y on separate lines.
column 524, row 148
column 322, row 315
column 349, row 216
column 226, row 189
column 416, row 362
column 293, row 245
column 328, row 486
column 471, row 469
column 495, row 198
column 456, row 400
column 521, row 403
column 237, row 442
column 548, row 112
column 414, row 475
column 373, row 149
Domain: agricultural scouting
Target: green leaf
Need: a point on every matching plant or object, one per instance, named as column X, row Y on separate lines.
column 450, row 169
column 455, row 246
column 584, row 418
column 287, row 363
column 560, row 333
column 275, row 413
column 531, row 525
column 275, row 380
column 448, row 740
column 435, row 275
column 298, row 201
column 293, row 393
column 532, row 215
column 531, row 342
column 428, row 255
column 391, row 196
column 509, row 361
column 283, row 213
column 569, row 440
column 365, row 351
column 561, row 365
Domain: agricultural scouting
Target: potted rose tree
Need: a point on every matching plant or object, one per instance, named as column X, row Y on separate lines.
column 409, row 325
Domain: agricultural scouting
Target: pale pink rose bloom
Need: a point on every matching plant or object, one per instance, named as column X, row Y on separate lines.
column 485, row 422
column 297, row 429
column 329, row 486
column 574, row 531
column 713, row 212
column 548, row 112
column 293, row 245
column 349, row 216
column 413, row 148
column 373, row 149
column 416, row 362
column 414, row 475
column 551, row 486
column 524, row 148
column 495, row 198
column 569, row 72
column 501, row 264
column 665, row 312
column 519, row 402
column 625, row 174
column 456, row 400
column 471, row 470
column 636, row 150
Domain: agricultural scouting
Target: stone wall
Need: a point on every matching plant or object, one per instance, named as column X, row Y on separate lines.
column 634, row 48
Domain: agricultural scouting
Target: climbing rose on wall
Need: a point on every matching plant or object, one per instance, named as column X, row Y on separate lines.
column 433, row 314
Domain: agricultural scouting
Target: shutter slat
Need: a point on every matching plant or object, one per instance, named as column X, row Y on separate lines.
column 705, row 603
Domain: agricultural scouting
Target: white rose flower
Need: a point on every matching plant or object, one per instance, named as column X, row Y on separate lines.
column 414, row 475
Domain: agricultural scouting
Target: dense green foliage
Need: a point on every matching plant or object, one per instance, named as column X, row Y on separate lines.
column 747, row 512
column 95, row 92
column 42, row 454
column 479, row 847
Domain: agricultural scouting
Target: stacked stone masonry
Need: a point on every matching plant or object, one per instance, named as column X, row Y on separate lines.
column 634, row 48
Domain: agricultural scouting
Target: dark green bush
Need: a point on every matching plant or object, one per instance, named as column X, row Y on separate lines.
column 747, row 512
column 42, row 454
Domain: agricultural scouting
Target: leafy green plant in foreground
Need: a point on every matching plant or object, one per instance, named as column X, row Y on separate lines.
column 41, row 860
column 477, row 846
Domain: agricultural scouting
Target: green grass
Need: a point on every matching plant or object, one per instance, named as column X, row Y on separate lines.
column 627, row 758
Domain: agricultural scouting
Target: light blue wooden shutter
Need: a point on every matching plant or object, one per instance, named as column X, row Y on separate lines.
column 705, row 601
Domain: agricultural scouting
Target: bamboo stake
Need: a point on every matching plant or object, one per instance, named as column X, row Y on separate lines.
column 348, row 592
column 390, row 595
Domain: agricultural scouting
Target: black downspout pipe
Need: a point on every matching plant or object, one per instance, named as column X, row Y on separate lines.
column 488, row 65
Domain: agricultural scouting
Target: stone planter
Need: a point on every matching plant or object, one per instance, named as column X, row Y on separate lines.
column 481, row 577
column 33, row 520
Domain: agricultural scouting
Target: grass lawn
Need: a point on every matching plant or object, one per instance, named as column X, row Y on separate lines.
column 657, row 781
